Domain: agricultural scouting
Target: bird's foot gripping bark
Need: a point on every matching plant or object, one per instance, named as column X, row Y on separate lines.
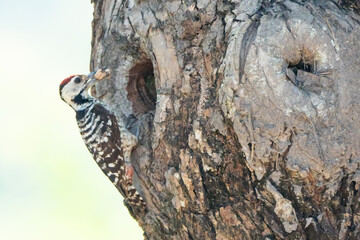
column 129, row 142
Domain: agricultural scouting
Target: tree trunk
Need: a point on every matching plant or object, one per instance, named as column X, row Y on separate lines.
column 247, row 113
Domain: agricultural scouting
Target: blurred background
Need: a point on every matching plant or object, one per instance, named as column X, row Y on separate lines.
column 50, row 188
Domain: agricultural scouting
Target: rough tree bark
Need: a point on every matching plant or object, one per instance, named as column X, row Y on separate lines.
column 248, row 113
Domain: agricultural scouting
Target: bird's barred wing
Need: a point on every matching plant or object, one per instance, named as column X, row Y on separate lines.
column 106, row 150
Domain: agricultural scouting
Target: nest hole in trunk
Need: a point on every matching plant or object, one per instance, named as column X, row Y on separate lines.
column 141, row 87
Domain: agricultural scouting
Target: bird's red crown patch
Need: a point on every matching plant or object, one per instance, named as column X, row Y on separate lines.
column 67, row 80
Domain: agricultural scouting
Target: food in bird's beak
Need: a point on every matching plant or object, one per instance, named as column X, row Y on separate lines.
column 102, row 73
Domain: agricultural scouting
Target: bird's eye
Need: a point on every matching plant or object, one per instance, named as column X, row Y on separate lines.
column 77, row 80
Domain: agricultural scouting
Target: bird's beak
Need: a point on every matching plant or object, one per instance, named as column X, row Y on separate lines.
column 90, row 75
column 91, row 80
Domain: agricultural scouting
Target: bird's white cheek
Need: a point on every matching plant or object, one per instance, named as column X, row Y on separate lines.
column 67, row 94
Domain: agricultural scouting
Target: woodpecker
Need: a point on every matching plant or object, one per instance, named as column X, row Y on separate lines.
column 106, row 136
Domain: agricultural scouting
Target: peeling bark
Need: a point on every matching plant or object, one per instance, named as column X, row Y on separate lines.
column 253, row 132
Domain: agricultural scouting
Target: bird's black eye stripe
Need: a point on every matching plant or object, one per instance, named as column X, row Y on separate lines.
column 77, row 80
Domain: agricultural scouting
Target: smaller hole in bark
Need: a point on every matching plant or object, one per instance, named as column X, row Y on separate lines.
column 141, row 87
column 294, row 72
column 302, row 61
column 303, row 66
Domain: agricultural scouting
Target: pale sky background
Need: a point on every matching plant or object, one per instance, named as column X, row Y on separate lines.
column 50, row 188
